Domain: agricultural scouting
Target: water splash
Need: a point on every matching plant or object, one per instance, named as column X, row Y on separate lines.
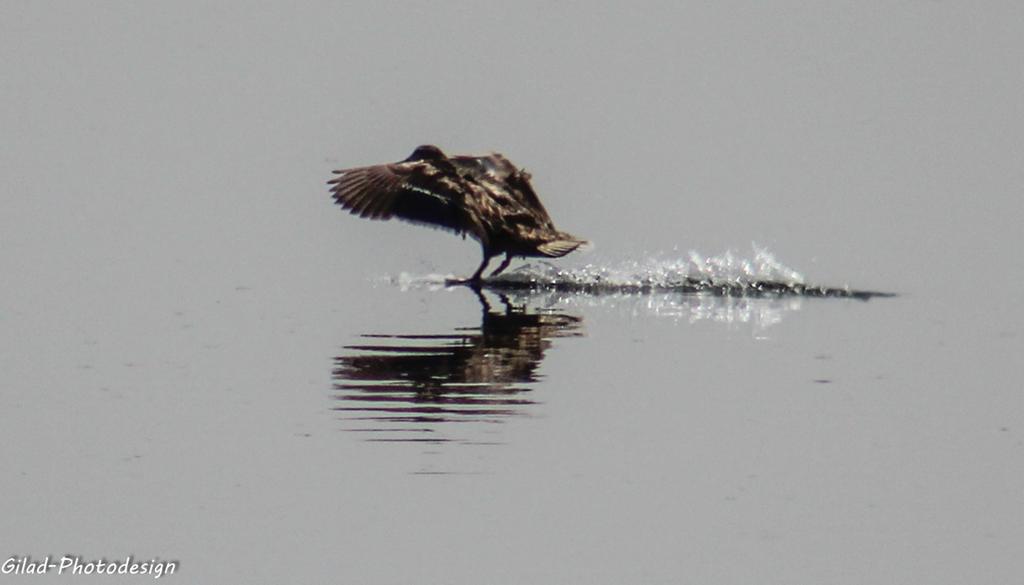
column 725, row 275
column 663, row 273
column 758, row 312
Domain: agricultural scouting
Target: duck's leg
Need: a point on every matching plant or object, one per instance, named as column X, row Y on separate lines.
column 504, row 264
column 474, row 280
column 478, row 275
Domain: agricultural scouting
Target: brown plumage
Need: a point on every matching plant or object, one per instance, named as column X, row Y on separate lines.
column 486, row 197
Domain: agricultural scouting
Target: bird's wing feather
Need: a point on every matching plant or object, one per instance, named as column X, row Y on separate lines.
column 415, row 191
column 522, row 190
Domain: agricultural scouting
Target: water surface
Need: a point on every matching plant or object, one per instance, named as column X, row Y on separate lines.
column 203, row 360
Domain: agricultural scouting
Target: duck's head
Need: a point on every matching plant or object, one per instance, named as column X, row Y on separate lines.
column 426, row 152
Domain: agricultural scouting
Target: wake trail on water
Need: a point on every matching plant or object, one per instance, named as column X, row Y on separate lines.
column 727, row 274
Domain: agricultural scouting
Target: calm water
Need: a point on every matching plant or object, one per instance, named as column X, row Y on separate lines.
column 202, row 360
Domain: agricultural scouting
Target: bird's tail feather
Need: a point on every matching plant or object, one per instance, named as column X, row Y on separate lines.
column 559, row 248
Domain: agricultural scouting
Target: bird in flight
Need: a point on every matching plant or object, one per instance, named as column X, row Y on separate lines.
column 485, row 197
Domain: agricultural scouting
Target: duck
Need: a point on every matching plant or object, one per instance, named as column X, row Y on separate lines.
column 484, row 197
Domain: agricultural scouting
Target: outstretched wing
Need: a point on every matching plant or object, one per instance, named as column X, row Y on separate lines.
column 504, row 178
column 522, row 190
column 416, row 191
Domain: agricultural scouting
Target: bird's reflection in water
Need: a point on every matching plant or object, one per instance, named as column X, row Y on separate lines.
column 414, row 387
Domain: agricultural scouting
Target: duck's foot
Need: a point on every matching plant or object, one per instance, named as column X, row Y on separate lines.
column 470, row 282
